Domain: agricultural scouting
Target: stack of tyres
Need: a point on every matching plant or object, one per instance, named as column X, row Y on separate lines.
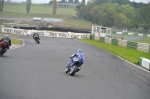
column 102, row 39
column 114, row 41
column 132, row 45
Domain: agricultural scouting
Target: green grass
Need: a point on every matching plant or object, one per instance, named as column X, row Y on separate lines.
column 16, row 41
column 147, row 40
column 1, row 23
column 19, row 11
column 41, row 9
column 126, row 53
column 45, row 11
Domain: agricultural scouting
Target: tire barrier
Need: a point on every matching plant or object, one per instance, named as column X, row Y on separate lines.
column 114, row 41
column 144, row 47
column 132, row 45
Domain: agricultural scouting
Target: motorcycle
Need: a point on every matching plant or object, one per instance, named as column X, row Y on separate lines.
column 37, row 40
column 3, row 48
column 75, row 68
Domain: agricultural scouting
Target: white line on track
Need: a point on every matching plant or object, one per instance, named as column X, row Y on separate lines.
column 119, row 57
column 20, row 45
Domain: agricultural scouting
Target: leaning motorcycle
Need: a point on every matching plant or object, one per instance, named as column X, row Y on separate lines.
column 37, row 40
column 3, row 48
column 75, row 68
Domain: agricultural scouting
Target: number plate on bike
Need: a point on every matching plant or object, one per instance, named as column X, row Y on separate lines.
column 75, row 58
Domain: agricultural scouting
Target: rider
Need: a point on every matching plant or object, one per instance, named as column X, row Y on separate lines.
column 36, row 36
column 6, row 41
column 80, row 56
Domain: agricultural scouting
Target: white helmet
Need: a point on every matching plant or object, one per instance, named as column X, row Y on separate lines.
column 6, row 35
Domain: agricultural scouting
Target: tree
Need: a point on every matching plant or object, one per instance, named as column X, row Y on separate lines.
column 70, row 1
column 1, row 5
column 28, row 6
column 76, row 1
column 83, row 12
column 121, row 20
column 83, row 1
column 50, row 2
column 144, row 13
column 54, row 6
column 63, row 1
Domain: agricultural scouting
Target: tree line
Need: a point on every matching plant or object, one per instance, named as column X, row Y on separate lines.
column 67, row 1
column 116, row 13
column 1, row 5
column 28, row 6
column 110, row 13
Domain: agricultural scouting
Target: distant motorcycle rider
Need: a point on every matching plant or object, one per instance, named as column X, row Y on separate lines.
column 80, row 56
column 5, row 42
column 36, row 36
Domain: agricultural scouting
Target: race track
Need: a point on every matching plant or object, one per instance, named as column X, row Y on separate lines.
column 37, row 71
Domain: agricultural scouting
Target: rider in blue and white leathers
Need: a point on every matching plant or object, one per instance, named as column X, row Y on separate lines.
column 80, row 56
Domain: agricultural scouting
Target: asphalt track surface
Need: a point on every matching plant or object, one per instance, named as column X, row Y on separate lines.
column 37, row 71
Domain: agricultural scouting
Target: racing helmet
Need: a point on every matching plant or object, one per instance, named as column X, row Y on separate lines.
column 79, row 50
column 7, row 36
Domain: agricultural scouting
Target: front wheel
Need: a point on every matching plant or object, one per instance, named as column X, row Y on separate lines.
column 73, row 70
column 0, row 51
column 67, row 70
column 38, row 41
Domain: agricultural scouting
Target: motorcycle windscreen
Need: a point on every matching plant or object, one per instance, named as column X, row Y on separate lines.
column 75, row 59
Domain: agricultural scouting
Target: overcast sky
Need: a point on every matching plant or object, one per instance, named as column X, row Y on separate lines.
column 46, row 1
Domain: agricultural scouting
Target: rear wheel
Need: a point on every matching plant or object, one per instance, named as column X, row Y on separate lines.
column 38, row 41
column 0, row 51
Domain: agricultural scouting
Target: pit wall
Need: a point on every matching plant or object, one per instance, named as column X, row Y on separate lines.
column 144, row 47
column 45, row 33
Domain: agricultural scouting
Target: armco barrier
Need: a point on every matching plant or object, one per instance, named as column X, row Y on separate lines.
column 143, row 62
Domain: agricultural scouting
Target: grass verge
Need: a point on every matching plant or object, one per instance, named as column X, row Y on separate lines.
column 44, row 11
column 147, row 40
column 126, row 53
column 16, row 41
